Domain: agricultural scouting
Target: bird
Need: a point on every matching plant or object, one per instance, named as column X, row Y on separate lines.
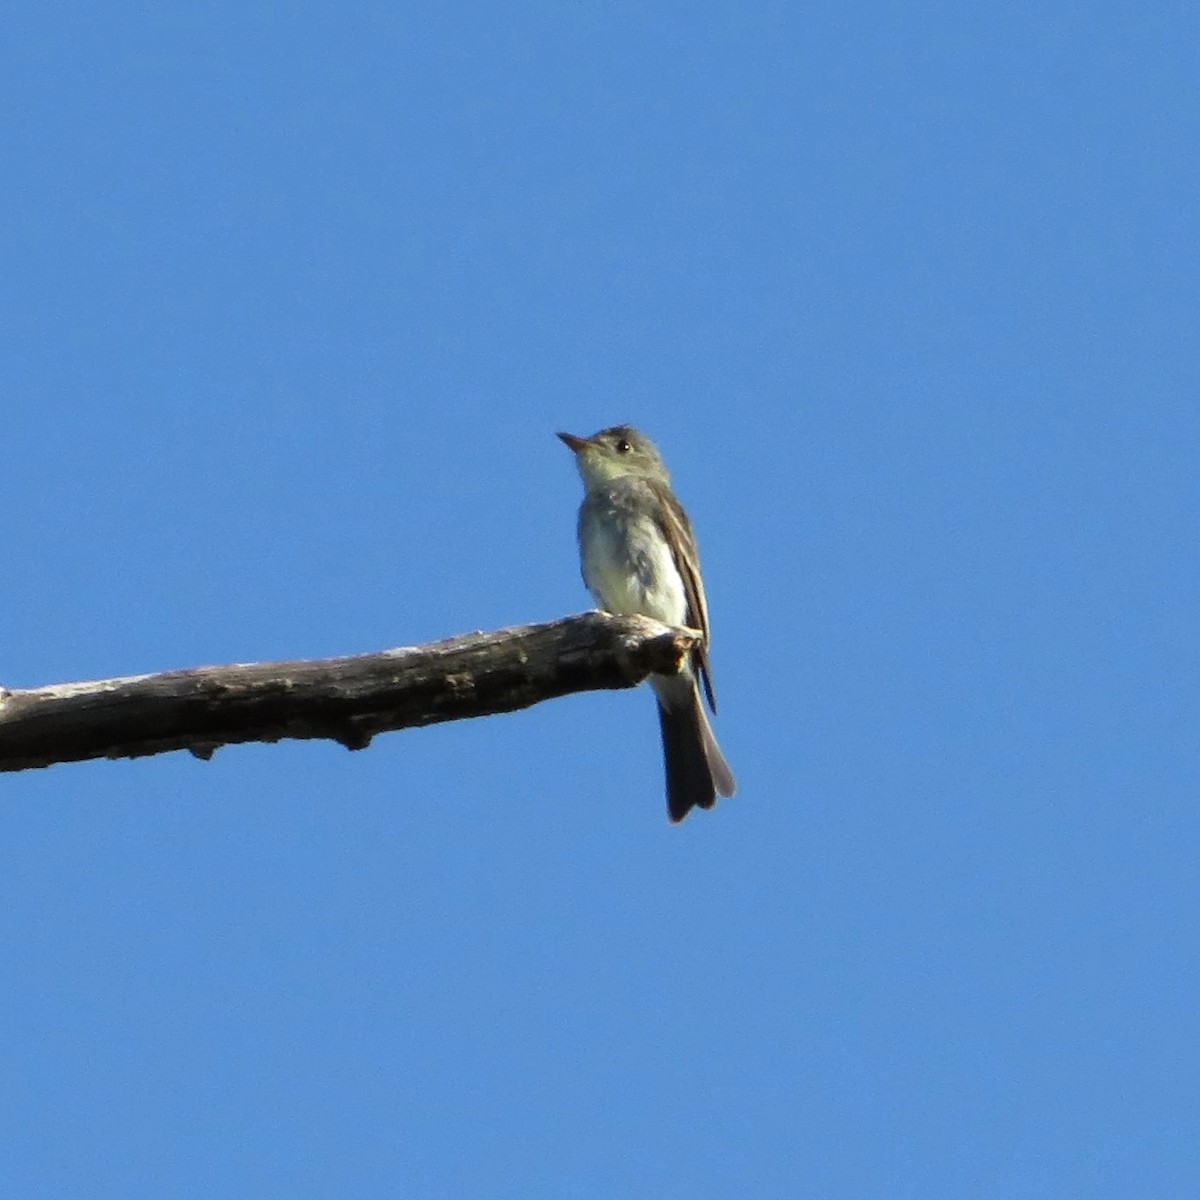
column 638, row 557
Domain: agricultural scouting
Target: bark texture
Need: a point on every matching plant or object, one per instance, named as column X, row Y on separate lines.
column 347, row 699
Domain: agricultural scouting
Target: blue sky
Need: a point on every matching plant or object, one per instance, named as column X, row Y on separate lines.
column 294, row 300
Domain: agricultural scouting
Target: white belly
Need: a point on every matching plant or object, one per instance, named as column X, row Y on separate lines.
column 635, row 574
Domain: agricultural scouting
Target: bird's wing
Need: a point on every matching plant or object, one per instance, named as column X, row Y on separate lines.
column 677, row 529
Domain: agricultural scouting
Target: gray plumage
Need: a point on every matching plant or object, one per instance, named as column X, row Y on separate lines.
column 638, row 555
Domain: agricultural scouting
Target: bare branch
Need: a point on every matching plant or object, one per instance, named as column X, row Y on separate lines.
column 346, row 699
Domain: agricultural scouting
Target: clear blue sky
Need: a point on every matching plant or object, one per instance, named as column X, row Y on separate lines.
column 294, row 298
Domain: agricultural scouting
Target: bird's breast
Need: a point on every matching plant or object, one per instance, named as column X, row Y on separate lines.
column 628, row 566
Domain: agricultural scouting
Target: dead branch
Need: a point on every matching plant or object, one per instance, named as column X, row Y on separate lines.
column 346, row 699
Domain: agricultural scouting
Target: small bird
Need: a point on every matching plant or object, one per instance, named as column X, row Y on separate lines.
column 639, row 556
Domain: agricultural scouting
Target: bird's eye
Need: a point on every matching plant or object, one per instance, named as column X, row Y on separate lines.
column 623, row 447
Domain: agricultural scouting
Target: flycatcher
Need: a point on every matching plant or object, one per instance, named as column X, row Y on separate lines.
column 639, row 557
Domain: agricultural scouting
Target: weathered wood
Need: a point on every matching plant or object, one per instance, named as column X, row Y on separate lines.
column 346, row 699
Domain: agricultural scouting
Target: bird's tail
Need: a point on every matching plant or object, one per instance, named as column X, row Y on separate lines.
column 697, row 772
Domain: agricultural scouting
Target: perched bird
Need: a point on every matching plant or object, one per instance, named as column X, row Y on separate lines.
column 639, row 556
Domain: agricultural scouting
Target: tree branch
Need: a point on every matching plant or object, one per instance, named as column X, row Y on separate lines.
column 346, row 699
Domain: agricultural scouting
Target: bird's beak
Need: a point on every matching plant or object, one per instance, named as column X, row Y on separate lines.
column 576, row 443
